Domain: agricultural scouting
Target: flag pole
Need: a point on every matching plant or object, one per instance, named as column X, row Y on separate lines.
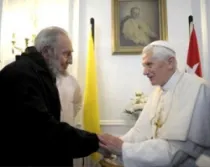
column 190, row 20
column 92, row 22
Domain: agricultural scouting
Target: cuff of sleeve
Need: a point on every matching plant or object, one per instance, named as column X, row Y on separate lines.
column 94, row 141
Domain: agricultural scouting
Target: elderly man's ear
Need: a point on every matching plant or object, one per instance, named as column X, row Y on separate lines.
column 171, row 62
column 45, row 52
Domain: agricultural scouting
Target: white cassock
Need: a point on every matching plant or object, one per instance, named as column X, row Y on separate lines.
column 181, row 110
column 138, row 31
column 70, row 98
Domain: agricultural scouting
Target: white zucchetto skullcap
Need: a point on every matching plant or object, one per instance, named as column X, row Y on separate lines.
column 162, row 43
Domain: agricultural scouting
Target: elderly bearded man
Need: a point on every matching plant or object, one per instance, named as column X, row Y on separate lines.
column 31, row 131
column 174, row 127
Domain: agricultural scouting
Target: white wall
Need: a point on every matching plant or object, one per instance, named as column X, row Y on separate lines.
column 24, row 18
column 120, row 76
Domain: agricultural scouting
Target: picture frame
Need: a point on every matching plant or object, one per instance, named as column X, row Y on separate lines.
column 136, row 23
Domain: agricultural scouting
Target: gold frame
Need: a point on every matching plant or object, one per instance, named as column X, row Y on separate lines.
column 116, row 48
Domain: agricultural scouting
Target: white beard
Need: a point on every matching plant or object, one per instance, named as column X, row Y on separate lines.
column 53, row 65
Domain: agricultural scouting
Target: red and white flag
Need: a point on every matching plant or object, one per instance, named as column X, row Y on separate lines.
column 193, row 57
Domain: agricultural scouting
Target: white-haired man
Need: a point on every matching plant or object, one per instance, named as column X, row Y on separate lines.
column 31, row 131
column 68, row 87
column 174, row 127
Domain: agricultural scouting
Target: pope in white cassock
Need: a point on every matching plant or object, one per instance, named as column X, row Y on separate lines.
column 174, row 127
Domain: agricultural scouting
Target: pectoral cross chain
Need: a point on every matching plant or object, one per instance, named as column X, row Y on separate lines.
column 158, row 125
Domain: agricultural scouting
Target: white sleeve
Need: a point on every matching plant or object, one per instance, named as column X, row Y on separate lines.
column 142, row 129
column 150, row 153
column 200, row 123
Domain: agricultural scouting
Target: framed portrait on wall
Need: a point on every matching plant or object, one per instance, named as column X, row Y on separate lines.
column 136, row 23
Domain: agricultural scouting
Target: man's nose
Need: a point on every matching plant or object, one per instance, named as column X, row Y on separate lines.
column 69, row 60
column 145, row 71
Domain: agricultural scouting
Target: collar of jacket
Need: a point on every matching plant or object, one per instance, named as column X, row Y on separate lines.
column 36, row 57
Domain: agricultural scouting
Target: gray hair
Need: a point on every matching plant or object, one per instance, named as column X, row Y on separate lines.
column 160, row 50
column 48, row 37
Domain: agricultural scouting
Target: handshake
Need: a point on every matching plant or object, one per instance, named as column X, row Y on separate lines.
column 109, row 145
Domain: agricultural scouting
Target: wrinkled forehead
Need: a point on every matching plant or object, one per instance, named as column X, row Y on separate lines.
column 147, row 56
column 64, row 43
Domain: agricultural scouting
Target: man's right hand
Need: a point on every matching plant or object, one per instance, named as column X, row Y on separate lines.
column 106, row 153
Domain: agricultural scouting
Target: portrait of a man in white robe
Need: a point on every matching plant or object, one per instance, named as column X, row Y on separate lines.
column 139, row 23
